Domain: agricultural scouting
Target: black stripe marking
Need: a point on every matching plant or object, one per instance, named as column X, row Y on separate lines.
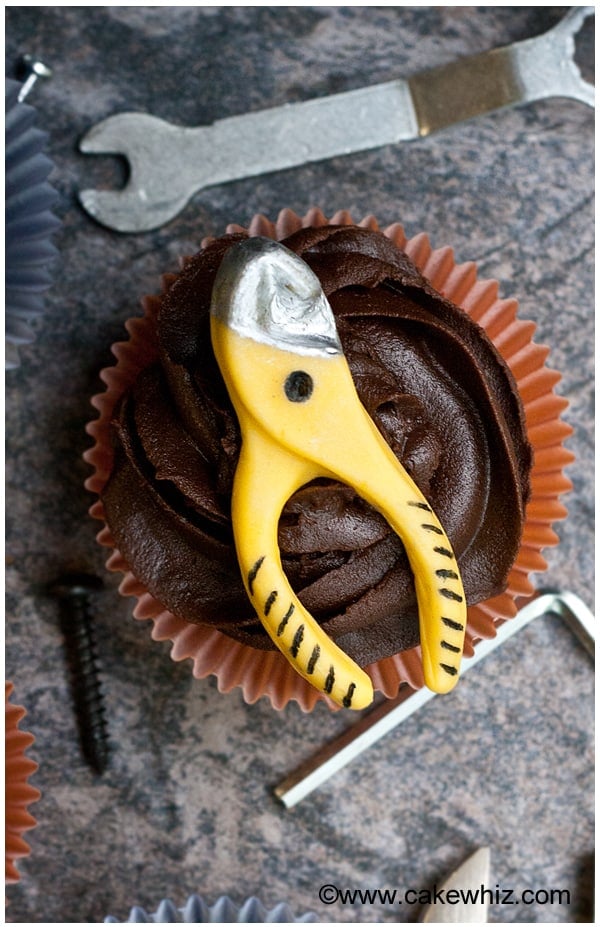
column 455, row 625
column 444, row 552
column 347, row 700
column 433, row 528
column 270, row 601
column 297, row 641
column 448, row 594
column 253, row 572
column 421, row 505
column 446, row 574
column 451, row 647
column 451, row 670
column 313, row 659
column 330, row 680
column 285, row 620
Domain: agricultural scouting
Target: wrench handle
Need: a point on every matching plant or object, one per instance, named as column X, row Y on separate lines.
column 286, row 136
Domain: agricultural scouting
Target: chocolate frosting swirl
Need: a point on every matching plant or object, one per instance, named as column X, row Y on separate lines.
column 434, row 385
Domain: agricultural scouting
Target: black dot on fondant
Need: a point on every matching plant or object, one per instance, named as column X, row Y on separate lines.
column 298, row 386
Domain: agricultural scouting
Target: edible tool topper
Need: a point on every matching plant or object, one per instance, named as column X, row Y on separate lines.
column 275, row 339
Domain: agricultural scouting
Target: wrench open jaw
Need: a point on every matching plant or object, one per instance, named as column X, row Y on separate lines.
column 154, row 189
column 170, row 163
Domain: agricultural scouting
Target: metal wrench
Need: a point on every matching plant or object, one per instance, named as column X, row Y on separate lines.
column 169, row 163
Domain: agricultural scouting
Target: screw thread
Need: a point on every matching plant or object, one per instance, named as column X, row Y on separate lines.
column 80, row 644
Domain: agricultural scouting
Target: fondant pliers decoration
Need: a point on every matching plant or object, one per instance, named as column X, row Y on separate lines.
column 275, row 339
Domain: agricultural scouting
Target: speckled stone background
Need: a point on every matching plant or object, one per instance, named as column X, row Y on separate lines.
column 187, row 804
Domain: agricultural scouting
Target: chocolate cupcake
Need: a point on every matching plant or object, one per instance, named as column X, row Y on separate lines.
column 438, row 362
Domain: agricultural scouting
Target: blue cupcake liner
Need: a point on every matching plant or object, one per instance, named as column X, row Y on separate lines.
column 223, row 911
column 29, row 222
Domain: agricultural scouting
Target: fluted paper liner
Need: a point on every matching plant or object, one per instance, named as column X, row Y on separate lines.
column 268, row 673
column 29, row 222
column 223, row 911
column 19, row 793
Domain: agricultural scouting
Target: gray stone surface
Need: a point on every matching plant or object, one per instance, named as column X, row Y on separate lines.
column 187, row 804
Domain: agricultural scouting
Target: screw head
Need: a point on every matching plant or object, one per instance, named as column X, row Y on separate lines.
column 74, row 585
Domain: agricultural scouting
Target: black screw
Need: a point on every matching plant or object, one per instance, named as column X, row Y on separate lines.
column 73, row 591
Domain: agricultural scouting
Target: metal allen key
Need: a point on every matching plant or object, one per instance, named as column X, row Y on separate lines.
column 378, row 722
column 276, row 343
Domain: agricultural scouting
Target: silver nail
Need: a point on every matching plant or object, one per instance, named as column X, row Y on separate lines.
column 33, row 69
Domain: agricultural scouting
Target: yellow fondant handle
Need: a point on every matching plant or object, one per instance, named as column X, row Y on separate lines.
column 275, row 339
column 266, row 476
column 376, row 474
column 290, row 437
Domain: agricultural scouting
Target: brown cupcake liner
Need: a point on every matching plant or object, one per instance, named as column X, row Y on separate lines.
column 19, row 793
column 268, row 673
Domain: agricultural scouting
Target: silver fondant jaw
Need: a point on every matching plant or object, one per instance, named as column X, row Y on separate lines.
column 266, row 292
